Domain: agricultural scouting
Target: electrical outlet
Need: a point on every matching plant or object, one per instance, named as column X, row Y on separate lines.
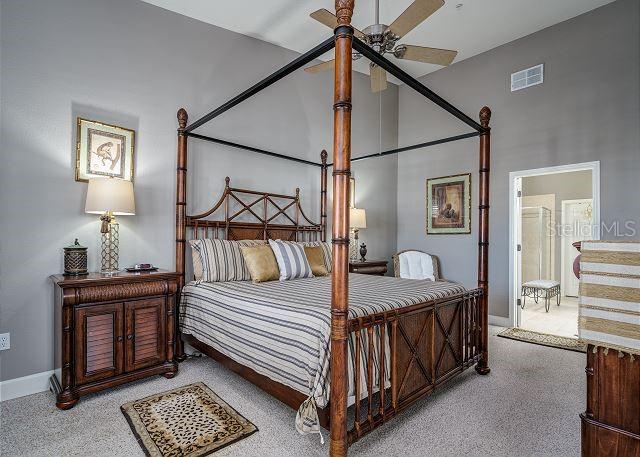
column 5, row 341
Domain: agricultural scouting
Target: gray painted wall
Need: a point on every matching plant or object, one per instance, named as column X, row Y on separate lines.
column 587, row 109
column 565, row 186
column 133, row 64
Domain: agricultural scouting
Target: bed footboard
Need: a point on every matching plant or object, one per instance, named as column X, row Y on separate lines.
column 427, row 344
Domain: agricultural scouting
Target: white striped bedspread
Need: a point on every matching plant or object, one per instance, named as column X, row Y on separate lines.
column 282, row 329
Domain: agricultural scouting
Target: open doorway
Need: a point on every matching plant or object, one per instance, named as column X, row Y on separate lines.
column 551, row 209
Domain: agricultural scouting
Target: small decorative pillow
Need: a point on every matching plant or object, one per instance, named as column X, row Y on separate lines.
column 220, row 260
column 326, row 251
column 291, row 259
column 261, row 263
column 316, row 260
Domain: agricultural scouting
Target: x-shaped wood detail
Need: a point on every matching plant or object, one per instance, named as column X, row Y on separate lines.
column 447, row 336
column 245, row 207
column 281, row 211
column 414, row 353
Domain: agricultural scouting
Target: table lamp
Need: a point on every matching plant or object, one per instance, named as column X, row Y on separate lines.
column 357, row 221
column 110, row 197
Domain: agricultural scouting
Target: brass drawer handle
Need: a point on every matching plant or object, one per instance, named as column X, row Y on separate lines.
column 130, row 337
column 120, row 339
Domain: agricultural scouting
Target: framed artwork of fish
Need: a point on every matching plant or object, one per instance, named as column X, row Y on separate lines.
column 103, row 150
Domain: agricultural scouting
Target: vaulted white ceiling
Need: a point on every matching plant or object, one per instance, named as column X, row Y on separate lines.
column 472, row 28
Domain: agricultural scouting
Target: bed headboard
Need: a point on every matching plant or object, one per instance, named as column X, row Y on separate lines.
column 243, row 214
column 249, row 214
column 246, row 214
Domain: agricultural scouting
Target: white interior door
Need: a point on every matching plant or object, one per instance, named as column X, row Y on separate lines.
column 518, row 254
column 577, row 225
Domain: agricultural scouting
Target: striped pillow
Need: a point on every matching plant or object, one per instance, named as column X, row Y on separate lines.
column 291, row 259
column 326, row 251
column 220, row 260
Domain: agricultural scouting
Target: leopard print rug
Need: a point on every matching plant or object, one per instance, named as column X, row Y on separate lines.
column 544, row 339
column 189, row 421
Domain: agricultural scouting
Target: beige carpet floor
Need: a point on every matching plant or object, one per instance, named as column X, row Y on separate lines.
column 527, row 406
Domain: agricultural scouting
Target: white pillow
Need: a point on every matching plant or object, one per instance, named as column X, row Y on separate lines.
column 292, row 261
column 416, row 265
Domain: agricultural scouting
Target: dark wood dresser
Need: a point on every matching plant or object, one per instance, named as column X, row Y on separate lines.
column 369, row 267
column 112, row 329
column 611, row 422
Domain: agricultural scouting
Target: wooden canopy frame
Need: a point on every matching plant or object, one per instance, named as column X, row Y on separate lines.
column 475, row 326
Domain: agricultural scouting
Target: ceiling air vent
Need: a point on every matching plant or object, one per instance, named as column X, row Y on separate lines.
column 527, row 78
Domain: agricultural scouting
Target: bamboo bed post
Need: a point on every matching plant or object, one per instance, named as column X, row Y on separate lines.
column 323, row 196
column 181, row 216
column 340, row 272
column 482, row 367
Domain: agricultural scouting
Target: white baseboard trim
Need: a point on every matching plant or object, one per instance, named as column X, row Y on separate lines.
column 499, row 321
column 26, row 385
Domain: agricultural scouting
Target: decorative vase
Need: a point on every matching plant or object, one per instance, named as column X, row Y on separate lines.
column 363, row 252
column 576, row 261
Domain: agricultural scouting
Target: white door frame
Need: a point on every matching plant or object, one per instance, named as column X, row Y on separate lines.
column 563, row 249
column 515, row 177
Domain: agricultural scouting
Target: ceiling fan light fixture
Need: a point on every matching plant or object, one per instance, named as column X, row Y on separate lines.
column 383, row 39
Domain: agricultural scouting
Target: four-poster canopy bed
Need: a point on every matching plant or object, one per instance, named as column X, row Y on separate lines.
column 426, row 343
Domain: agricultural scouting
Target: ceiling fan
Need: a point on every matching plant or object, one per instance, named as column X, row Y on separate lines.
column 384, row 38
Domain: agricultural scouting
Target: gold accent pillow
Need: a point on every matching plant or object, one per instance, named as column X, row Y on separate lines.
column 316, row 260
column 261, row 263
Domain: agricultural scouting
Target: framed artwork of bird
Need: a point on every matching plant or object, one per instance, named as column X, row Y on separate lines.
column 103, row 150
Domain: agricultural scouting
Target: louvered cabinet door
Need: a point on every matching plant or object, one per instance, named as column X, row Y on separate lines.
column 145, row 329
column 98, row 345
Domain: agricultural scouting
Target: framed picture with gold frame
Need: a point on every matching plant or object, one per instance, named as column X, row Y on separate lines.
column 449, row 204
column 103, row 150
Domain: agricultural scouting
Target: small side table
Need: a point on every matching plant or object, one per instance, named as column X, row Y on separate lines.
column 112, row 329
column 369, row 267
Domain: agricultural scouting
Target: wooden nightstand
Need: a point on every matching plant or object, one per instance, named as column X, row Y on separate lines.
column 369, row 267
column 112, row 329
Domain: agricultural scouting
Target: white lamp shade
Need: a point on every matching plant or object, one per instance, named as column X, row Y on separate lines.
column 110, row 194
column 357, row 218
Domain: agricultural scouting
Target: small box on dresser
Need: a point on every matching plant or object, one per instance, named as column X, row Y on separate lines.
column 112, row 329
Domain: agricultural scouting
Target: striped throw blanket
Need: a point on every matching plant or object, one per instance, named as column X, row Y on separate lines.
column 282, row 329
column 610, row 295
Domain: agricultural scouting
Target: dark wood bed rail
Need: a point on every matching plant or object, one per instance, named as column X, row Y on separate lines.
column 428, row 344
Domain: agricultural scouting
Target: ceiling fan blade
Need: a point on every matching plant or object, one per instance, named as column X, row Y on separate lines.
column 417, row 12
column 427, row 55
column 328, row 65
column 378, row 78
column 329, row 19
